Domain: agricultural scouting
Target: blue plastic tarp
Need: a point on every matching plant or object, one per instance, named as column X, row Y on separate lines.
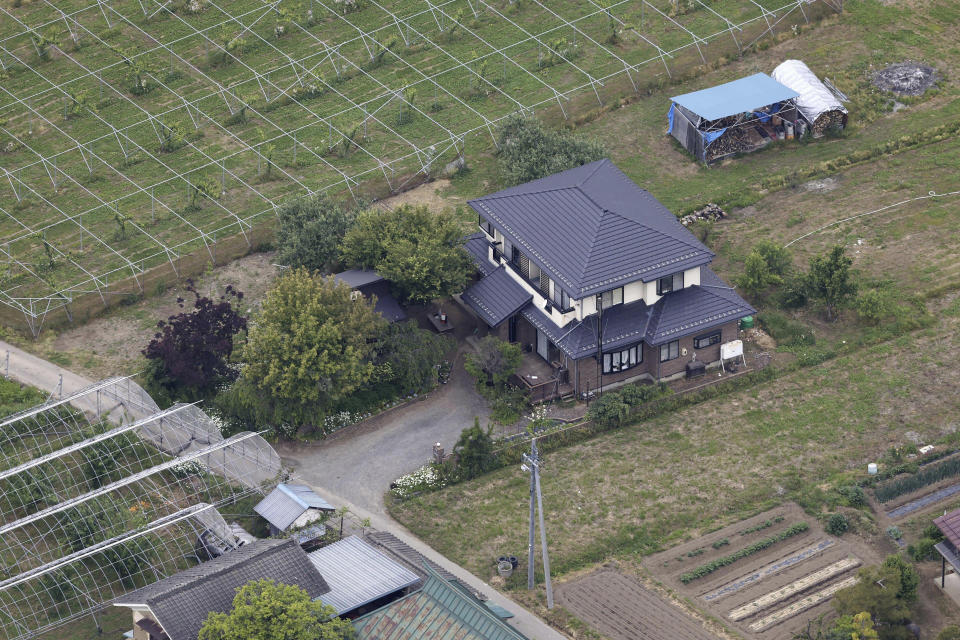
column 746, row 94
column 710, row 136
column 670, row 118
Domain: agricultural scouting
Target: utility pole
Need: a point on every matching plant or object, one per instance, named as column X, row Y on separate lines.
column 531, row 463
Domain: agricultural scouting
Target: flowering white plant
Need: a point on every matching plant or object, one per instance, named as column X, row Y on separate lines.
column 425, row 478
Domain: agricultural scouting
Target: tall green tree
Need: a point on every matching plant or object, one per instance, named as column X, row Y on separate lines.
column 757, row 276
column 879, row 593
column 407, row 356
column 474, row 451
column 310, row 232
column 419, row 251
column 265, row 610
column 307, row 348
column 529, row 150
column 830, row 280
column 493, row 361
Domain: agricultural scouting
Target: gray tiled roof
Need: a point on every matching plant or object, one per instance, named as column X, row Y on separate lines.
column 287, row 502
column 478, row 247
column 678, row 314
column 496, row 297
column 358, row 574
column 181, row 602
column 592, row 229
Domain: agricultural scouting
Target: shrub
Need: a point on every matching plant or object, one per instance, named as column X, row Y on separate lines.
column 933, row 532
column 720, row 543
column 785, row 330
column 609, row 410
column 310, row 230
column 949, row 633
column 853, row 495
column 426, row 478
column 474, row 450
column 909, row 578
column 923, row 550
column 894, row 532
column 529, row 150
column 493, row 362
column 756, row 547
column 837, row 524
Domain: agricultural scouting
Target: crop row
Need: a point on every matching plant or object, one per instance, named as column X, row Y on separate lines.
column 922, row 478
column 760, row 545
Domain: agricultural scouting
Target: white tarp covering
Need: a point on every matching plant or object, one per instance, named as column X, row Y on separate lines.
column 814, row 99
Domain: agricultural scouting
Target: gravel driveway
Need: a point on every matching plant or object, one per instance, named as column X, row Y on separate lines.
column 359, row 463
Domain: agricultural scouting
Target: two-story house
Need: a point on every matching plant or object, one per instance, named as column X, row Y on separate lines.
column 595, row 276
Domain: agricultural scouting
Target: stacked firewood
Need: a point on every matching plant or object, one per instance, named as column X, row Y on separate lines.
column 826, row 121
column 733, row 140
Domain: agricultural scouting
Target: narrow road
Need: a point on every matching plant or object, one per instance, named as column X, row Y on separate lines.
column 361, row 461
column 357, row 467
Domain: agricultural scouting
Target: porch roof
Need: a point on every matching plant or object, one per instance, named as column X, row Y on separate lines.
column 675, row 315
column 496, row 297
column 949, row 525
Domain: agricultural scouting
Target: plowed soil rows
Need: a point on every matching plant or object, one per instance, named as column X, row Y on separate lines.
column 775, row 586
column 621, row 608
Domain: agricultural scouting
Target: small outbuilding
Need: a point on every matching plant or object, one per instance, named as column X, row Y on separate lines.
column 819, row 106
column 292, row 506
column 736, row 117
column 369, row 283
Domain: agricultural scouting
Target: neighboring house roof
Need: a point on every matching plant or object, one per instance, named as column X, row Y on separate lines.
column 182, row 602
column 358, row 574
column 592, row 229
column 732, row 98
column 408, row 554
column 678, row 314
column 439, row 611
column 287, row 502
column 477, row 245
column 356, row 278
column 387, row 306
column 949, row 525
column 496, row 297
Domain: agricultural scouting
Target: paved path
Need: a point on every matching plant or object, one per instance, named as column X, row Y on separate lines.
column 360, row 462
column 355, row 468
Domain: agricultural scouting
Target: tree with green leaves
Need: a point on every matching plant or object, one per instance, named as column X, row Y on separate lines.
column 757, row 277
column 266, row 610
column 528, row 150
column 308, row 347
column 830, row 280
column 474, row 451
column 420, row 252
column 310, row 231
column 879, row 593
column 855, row 627
column 493, row 362
column 408, row 356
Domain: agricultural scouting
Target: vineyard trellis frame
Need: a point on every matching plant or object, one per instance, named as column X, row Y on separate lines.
column 172, row 469
column 408, row 160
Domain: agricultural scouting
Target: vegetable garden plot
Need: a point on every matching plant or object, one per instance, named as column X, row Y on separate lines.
column 132, row 135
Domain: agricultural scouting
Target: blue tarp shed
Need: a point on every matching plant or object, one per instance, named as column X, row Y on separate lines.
column 732, row 98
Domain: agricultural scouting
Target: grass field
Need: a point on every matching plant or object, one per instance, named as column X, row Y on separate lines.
column 131, row 134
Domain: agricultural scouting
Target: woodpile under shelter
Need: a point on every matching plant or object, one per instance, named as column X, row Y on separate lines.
column 818, row 105
column 736, row 117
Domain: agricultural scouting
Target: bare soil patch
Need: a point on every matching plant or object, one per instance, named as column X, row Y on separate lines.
column 111, row 344
column 742, row 593
column 427, row 194
column 622, row 608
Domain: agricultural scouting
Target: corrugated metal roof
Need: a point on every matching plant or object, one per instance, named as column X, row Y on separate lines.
column 732, row 98
column 438, row 611
column 182, row 602
column 496, row 297
column 592, row 229
column 287, row 502
column 358, row 574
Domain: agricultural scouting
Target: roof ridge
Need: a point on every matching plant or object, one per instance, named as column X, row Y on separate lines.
column 285, row 488
column 499, row 195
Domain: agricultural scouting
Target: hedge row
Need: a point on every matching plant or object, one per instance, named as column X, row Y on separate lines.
column 760, row 545
column 925, row 476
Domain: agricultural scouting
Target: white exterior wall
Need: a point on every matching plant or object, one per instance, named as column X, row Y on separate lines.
column 634, row 291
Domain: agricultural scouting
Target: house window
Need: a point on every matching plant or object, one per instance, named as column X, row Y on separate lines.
column 615, row 361
column 486, row 226
column 670, row 283
column 611, row 298
column 560, row 297
column 670, row 351
column 702, row 342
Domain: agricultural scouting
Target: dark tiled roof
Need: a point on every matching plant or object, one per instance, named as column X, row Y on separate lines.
column 387, row 306
column 949, row 525
column 356, row 278
column 675, row 315
column 496, row 297
column 438, row 611
column 181, row 602
column 477, row 246
column 694, row 309
column 592, row 229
